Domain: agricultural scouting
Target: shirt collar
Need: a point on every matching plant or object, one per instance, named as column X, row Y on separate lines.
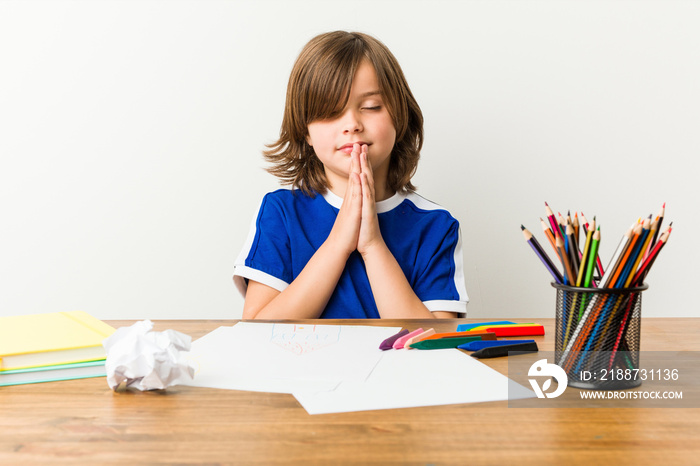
column 382, row 206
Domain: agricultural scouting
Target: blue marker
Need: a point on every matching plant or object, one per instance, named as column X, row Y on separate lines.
column 467, row 327
column 477, row 345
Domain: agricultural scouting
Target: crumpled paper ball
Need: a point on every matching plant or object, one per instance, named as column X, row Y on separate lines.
column 147, row 360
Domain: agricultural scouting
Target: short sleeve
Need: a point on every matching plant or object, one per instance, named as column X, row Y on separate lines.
column 440, row 285
column 266, row 254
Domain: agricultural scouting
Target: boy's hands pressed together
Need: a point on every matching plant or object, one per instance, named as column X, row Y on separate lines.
column 346, row 228
column 357, row 227
column 370, row 236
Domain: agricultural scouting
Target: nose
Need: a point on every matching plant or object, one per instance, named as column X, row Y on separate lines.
column 352, row 123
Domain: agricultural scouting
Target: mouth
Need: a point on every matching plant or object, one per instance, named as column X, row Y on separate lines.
column 347, row 148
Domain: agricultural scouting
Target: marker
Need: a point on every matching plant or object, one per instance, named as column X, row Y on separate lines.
column 401, row 341
column 389, row 342
column 483, row 335
column 485, row 325
column 467, row 327
column 523, row 330
column 498, row 351
column 442, row 343
column 419, row 337
column 477, row 345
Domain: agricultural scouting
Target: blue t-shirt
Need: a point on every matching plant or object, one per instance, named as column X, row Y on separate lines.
column 423, row 237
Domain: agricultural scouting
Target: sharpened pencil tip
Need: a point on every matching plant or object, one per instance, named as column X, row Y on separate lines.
column 522, row 227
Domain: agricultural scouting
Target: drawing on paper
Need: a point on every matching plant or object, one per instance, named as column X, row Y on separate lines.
column 303, row 339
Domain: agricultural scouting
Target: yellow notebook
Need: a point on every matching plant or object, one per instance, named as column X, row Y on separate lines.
column 54, row 338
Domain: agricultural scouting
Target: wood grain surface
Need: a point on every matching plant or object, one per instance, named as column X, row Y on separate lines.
column 84, row 422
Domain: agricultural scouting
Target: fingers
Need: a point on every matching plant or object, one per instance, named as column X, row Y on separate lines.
column 367, row 193
column 363, row 157
column 346, row 228
column 366, row 168
column 356, row 225
column 369, row 233
column 354, row 189
column 355, row 159
column 367, row 184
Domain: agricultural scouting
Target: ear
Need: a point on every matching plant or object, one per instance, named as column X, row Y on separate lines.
column 308, row 140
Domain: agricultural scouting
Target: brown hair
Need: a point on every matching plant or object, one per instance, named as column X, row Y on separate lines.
column 319, row 88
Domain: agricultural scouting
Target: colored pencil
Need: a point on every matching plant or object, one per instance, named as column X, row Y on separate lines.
column 552, row 221
column 561, row 250
column 586, row 226
column 656, row 227
column 641, row 274
column 660, row 218
column 532, row 241
column 573, row 250
column 641, row 254
column 633, row 257
column 617, row 255
column 566, row 224
column 568, row 217
column 636, row 232
column 650, row 243
column 548, row 233
column 561, row 223
column 595, row 242
column 584, row 261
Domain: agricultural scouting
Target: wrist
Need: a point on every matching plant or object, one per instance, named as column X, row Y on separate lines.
column 374, row 249
column 338, row 247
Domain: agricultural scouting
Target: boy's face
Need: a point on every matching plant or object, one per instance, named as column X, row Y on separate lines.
column 365, row 120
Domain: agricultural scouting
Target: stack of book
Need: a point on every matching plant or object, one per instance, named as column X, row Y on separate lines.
column 49, row 347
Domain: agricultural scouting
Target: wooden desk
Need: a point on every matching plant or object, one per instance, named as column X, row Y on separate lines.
column 83, row 421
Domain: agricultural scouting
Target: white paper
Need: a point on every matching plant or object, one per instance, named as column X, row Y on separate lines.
column 411, row 378
column 284, row 358
column 147, row 360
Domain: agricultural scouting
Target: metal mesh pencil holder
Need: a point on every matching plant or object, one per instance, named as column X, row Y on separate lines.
column 598, row 336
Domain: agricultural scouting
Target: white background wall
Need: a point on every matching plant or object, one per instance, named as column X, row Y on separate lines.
column 131, row 136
